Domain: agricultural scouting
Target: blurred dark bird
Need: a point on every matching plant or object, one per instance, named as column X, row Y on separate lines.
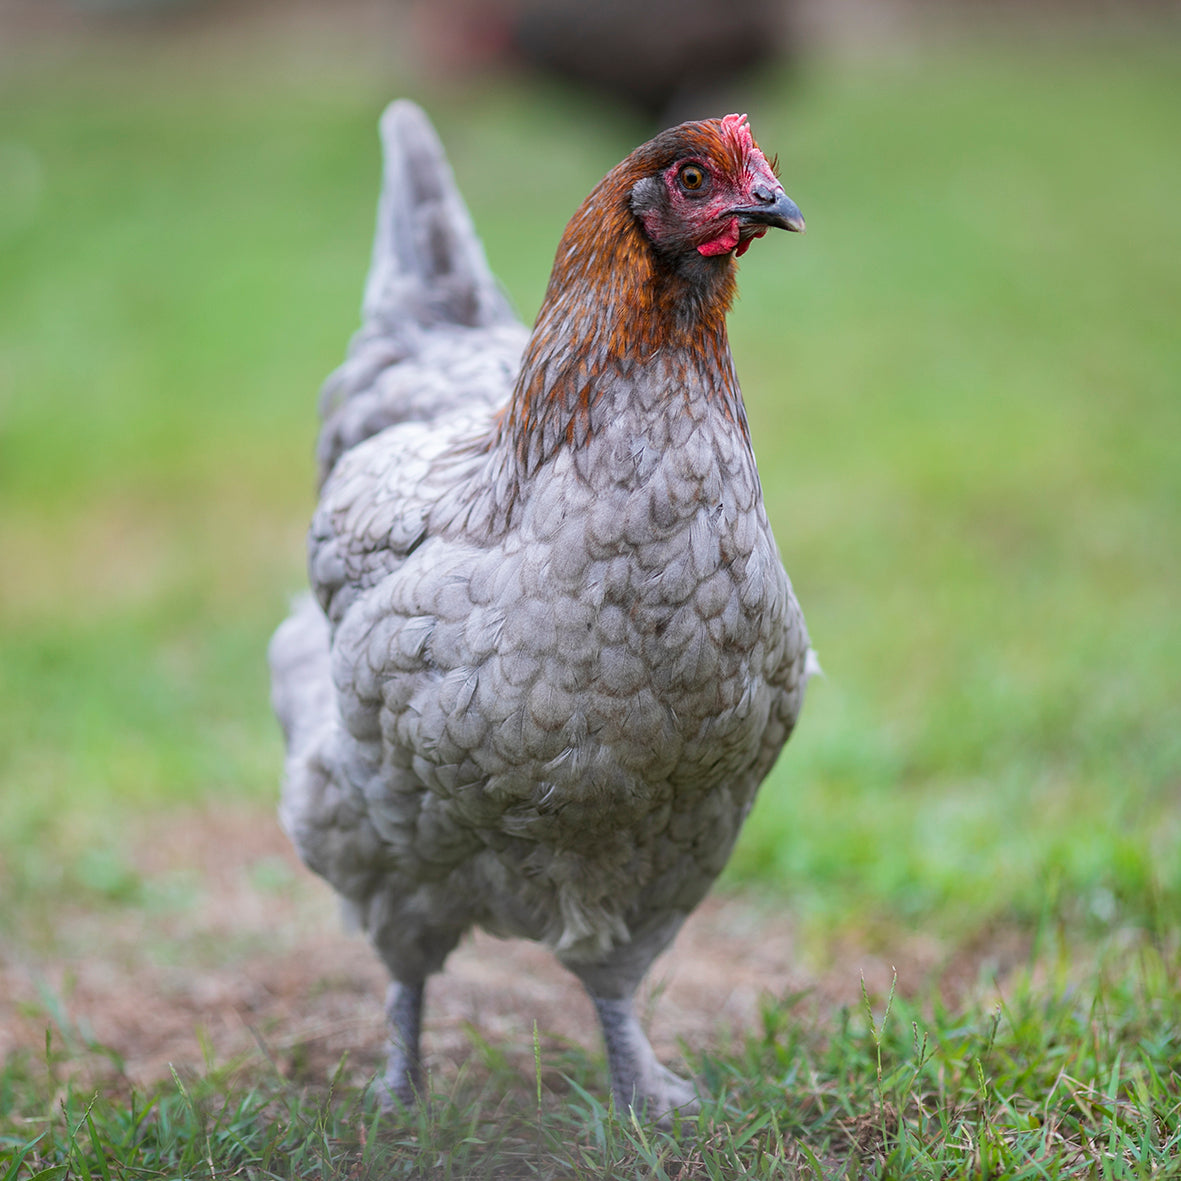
column 667, row 59
column 552, row 649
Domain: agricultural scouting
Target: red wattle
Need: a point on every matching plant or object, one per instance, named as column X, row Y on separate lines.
column 724, row 242
column 744, row 246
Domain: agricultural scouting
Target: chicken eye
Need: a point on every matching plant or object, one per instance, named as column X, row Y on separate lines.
column 692, row 178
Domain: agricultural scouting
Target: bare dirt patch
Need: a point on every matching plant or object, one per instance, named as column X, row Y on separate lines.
column 235, row 951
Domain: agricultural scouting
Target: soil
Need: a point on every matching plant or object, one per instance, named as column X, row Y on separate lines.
column 232, row 950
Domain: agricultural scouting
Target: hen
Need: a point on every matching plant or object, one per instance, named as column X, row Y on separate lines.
column 553, row 650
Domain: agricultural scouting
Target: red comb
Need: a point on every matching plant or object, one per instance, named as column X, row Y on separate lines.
column 738, row 129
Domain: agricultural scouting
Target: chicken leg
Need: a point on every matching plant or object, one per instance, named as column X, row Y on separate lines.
column 638, row 1080
column 402, row 1083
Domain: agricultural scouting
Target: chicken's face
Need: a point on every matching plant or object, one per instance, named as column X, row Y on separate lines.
column 712, row 193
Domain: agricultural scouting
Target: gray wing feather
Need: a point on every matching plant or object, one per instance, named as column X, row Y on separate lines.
column 301, row 676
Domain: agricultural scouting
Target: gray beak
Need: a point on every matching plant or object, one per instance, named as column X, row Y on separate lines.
column 772, row 207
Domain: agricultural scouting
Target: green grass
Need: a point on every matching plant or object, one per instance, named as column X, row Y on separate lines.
column 1050, row 1081
column 964, row 385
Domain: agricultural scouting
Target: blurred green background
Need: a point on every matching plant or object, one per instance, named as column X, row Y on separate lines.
column 964, row 385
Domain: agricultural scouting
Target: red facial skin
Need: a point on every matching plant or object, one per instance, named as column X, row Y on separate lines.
column 722, row 190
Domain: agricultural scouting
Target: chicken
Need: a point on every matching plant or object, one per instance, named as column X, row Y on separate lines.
column 636, row 53
column 628, row 53
column 552, row 649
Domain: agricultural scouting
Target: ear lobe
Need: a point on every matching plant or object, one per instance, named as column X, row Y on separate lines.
column 645, row 195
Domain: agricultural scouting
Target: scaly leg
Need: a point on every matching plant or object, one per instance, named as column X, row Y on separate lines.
column 638, row 1080
column 403, row 1075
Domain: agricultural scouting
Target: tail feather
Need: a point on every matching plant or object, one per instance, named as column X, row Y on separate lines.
column 428, row 277
column 428, row 265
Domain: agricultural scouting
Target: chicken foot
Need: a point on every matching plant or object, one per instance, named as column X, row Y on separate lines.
column 638, row 1080
column 402, row 1083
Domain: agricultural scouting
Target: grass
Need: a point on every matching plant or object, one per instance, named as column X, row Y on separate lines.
column 1051, row 1080
column 963, row 389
